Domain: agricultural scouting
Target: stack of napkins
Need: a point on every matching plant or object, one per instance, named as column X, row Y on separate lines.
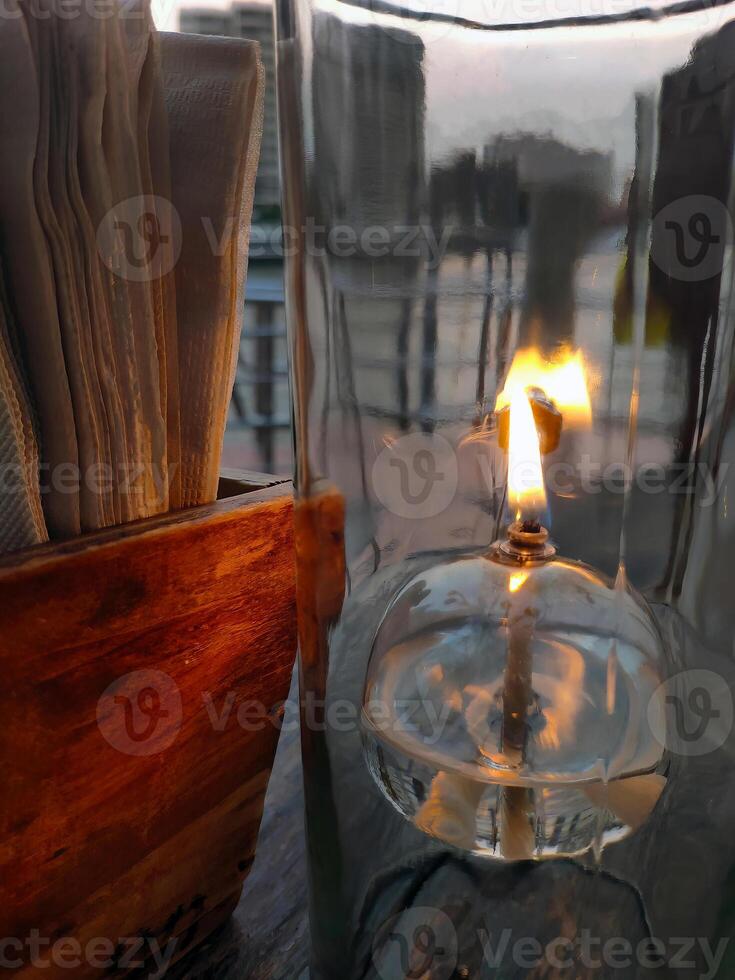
column 128, row 163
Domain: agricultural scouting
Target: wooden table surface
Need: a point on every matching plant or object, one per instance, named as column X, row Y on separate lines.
column 268, row 936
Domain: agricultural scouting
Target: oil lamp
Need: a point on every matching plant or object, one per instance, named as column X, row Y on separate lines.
column 507, row 693
column 546, row 169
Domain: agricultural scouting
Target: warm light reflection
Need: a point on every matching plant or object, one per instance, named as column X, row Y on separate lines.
column 526, row 491
column 564, row 380
column 516, row 581
column 564, row 694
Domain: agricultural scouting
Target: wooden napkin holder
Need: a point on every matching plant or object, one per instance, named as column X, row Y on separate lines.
column 142, row 674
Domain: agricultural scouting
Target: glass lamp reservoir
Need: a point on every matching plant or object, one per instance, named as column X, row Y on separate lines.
column 508, row 695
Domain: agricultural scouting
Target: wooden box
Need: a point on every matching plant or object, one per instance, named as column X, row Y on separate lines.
column 142, row 675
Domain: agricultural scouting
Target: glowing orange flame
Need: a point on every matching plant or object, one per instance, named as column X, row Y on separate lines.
column 564, row 380
column 526, row 491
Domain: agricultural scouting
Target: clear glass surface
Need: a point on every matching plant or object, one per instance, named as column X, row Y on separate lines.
column 463, row 184
column 437, row 688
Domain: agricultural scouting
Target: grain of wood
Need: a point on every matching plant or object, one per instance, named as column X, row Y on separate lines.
column 96, row 840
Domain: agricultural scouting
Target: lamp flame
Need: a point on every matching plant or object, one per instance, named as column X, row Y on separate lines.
column 564, row 380
column 526, row 491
